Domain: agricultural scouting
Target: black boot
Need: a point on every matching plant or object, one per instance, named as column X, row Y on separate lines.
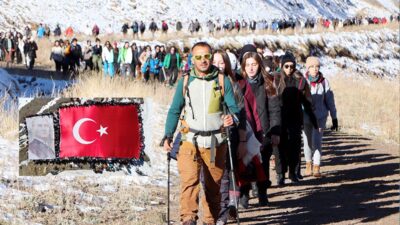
column 280, row 179
column 293, row 177
column 262, row 199
column 244, row 201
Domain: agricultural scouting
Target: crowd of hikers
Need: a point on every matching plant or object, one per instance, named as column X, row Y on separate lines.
column 20, row 46
column 237, row 111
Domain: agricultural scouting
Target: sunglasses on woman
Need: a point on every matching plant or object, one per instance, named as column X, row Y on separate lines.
column 205, row 56
column 289, row 66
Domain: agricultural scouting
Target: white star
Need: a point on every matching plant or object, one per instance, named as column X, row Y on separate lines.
column 102, row 130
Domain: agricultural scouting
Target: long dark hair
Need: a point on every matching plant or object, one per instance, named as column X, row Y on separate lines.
column 228, row 68
column 268, row 79
column 281, row 80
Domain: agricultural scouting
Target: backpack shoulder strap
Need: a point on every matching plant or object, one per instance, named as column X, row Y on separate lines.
column 221, row 78
column 185, row 84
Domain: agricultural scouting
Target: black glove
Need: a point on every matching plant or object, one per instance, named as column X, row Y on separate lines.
column 335, row 125
column 165, row 138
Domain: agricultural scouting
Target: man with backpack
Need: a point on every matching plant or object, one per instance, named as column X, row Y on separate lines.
column 142, row 28
column 201, row 94
column 164, row 27
column 153, row 27
column 135, row 29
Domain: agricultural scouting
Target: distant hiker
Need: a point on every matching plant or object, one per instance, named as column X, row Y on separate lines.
column 294, row 94
column 199, row 95
column 69, row 32
column 67, row 56
column 172, row 64
column 116, row 52
column 20, row 42
column 30, row 49
column 57, row 54
column 47, row 31
column 95, row 30
column 179, row 26
column 76, row 55
column 142, row 28
column 108, row 59
column 323, row 104
column 124, row 29
column 135, row 59
column 9, row 48
column 125, row 59
column 88, row 55
column 40, row 31
column 57, row 31
column 97, row 53
column 135, row 29
column 164, row 27
column 153, row 27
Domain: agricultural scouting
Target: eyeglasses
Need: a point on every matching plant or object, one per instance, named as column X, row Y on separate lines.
column 200, row 57
column 289, row 66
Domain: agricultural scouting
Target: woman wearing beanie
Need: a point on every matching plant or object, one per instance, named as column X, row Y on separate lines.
column 294, row 95
column 323, row 102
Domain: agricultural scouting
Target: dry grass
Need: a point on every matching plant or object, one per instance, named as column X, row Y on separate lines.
column 9, row 121
column 96, row 85
column 368, row 106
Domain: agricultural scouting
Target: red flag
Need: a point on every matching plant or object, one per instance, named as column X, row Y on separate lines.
column 102, row 131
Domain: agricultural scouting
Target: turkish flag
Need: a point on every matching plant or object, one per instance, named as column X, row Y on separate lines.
column 103, row 131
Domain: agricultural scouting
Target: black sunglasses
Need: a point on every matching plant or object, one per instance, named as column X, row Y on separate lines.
column 289, row 66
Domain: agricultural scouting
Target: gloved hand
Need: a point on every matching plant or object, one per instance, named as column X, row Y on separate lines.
column 335, row 125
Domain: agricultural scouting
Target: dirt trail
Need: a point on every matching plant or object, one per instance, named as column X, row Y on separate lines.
column 360, row 185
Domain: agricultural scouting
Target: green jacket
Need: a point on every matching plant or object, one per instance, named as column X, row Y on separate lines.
column 205, row 111
column 167, row 60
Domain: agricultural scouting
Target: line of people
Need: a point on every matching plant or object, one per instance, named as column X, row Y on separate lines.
column 16, row 48
column 269, row 108
column 194, row 26
column 124, row 59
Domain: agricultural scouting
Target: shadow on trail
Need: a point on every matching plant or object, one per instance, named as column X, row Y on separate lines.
column 358, row 194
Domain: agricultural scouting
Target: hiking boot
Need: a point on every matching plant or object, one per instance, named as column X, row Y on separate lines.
column 280, row 180
column 232, row 212
column 299, row 176
column 316, row 171
column 220, row 222
column 293, row 178
column 254, row 190
column 244, row 201
column 308, row 171
column 209, row 223
column 189, row 222
column 262, row 200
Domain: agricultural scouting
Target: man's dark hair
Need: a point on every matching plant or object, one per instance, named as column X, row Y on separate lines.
column 202, row 44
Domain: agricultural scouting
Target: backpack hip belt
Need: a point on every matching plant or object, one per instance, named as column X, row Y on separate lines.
column 214, row 141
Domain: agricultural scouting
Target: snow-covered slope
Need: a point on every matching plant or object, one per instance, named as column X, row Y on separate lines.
column 80, row 14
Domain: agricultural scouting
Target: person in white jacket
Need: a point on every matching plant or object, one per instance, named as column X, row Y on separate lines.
column 107, row 56
column 323, row 104
column 125, row 59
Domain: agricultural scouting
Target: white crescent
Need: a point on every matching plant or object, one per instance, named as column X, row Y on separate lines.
column 75, row 131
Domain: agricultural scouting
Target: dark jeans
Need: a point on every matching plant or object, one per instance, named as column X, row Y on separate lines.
column 58, row 66
column 288, row 154
column 173, row 75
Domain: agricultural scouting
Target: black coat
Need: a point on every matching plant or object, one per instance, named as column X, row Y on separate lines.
column 293, row 98
column 30, row 49
column 268, row 108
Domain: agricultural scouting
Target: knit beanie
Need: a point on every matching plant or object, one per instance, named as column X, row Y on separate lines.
column 245, row 49
column 312, row 61
column 288, row 57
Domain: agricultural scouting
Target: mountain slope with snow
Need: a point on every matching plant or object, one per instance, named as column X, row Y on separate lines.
column 80, row 14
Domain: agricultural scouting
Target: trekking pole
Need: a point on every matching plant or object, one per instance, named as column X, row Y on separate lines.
column 232, row 171
column 168, row 190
